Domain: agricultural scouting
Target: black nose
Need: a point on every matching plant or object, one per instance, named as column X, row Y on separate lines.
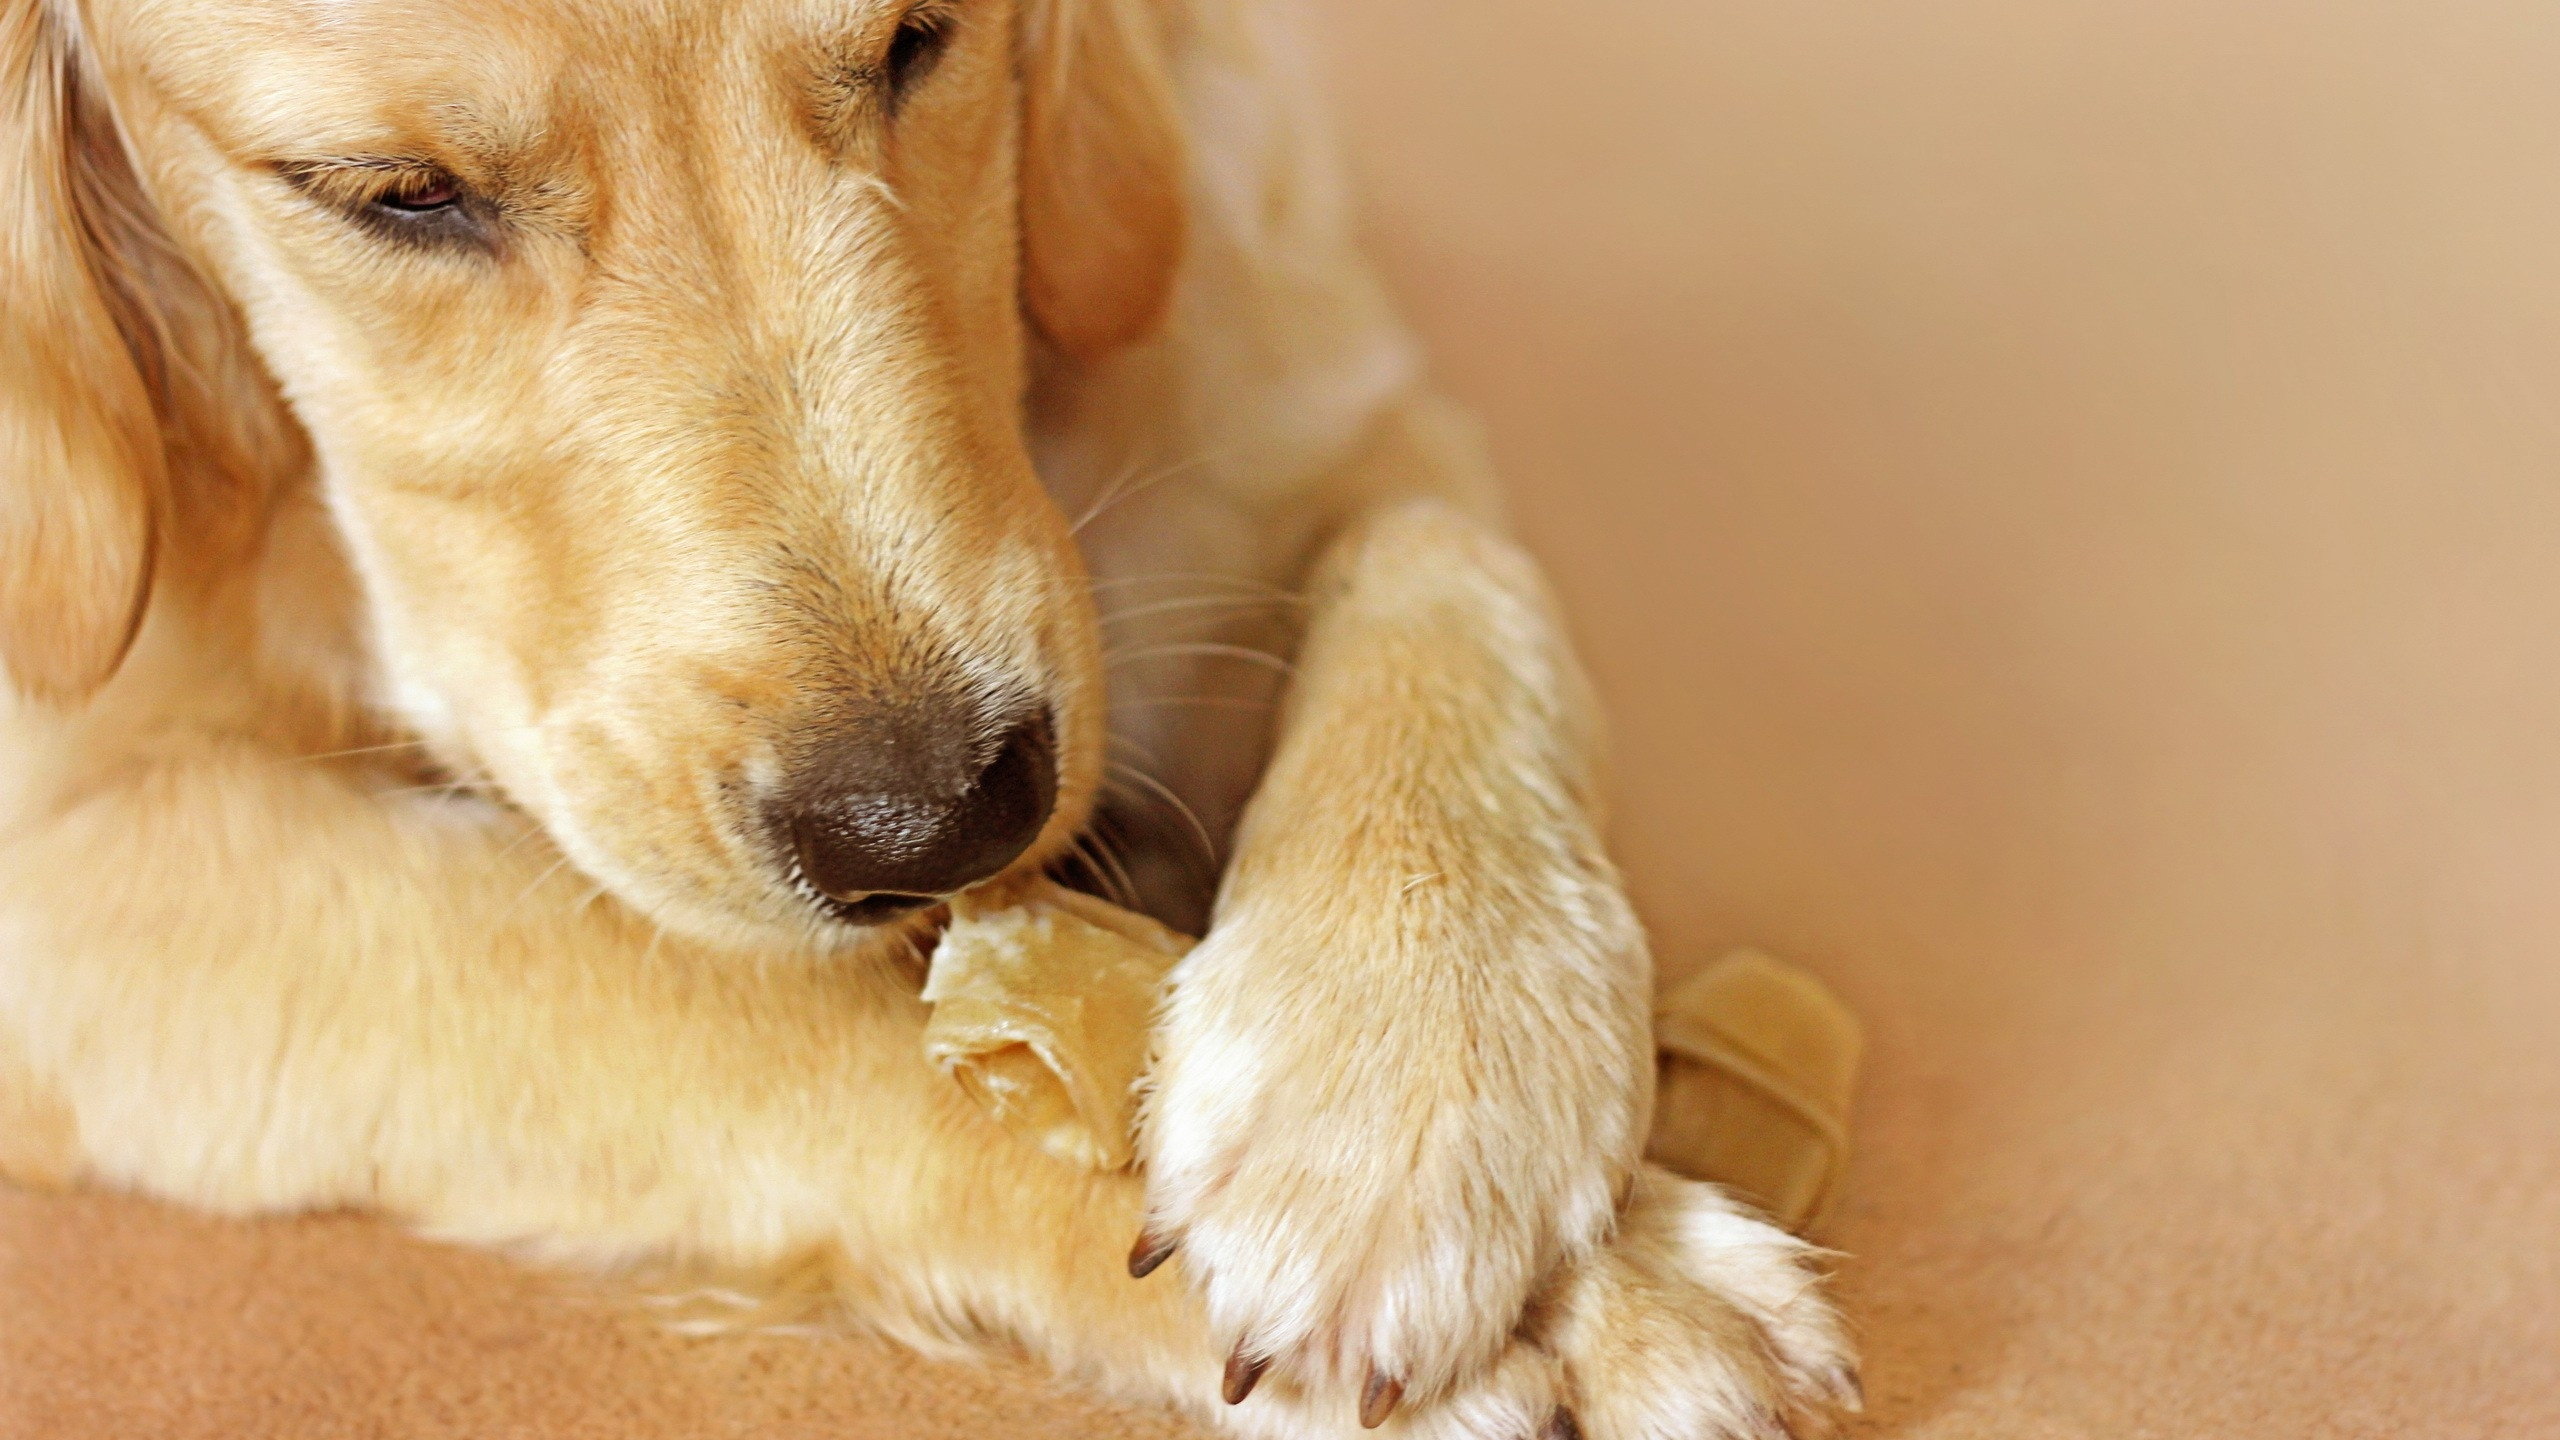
column 901, row 804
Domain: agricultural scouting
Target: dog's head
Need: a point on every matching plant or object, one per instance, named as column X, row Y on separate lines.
column 661, row 363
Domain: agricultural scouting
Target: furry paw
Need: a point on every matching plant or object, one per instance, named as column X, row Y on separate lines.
column 1368, row 1169
column 1694, row 1322
column 1697, row 1320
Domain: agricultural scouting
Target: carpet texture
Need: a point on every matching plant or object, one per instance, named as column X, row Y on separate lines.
column 2059, row 500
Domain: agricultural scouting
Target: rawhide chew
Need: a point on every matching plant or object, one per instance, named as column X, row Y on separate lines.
column 1042, row 1008
column 1041, row 1012
column 1758, row 1061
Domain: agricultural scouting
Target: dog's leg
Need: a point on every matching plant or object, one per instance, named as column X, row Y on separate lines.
column 243, row 982
column 1407, row 1075
column 246, row 983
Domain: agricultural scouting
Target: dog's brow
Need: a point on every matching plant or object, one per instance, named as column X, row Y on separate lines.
column 449, row 138
column 494, row 146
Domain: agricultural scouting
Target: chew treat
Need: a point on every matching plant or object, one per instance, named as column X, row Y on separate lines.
column 1758, row 1061
column 1042, row 1007
column 1041, row 1012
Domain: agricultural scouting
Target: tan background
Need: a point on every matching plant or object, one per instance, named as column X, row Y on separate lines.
column 2063, row 500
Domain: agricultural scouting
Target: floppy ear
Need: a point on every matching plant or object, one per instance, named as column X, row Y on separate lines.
column 1102, row 172
column 81, row 459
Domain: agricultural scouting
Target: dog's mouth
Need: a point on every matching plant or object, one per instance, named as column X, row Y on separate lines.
column 858, row 910
column 876, row 909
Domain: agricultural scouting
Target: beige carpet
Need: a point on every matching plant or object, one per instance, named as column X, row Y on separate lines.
column 2064, row 501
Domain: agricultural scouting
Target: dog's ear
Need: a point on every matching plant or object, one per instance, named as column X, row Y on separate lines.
column 81, row 458
column 1102, row 172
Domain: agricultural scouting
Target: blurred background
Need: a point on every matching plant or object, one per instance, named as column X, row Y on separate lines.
column 2063, row 503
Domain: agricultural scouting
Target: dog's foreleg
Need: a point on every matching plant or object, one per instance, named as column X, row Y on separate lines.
column 243, row 982
column 1405, row 1077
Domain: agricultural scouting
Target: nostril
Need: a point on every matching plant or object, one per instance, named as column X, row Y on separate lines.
column 879, row 833
column 1019, row 788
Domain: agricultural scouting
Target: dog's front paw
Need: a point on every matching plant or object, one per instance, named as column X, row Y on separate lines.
column 1370, row 1148
column 1694, row 1321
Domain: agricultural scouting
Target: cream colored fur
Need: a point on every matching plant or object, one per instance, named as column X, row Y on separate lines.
column 397, row 629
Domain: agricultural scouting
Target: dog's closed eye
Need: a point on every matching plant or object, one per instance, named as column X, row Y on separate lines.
column 439, row 192
column 398, row 200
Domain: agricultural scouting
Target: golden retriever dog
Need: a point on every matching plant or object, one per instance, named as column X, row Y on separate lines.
column 544, row 537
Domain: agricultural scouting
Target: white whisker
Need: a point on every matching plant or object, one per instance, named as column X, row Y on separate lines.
column 1122, row 489
column 1212, row 702
column 343, row 754
column 1116, row 738
column 1198, row 602
column 1211, row 648
column 521, row 896
column 1164, row 792
column 1115, row 582
column 1106, row 869
column 530, row 830
column 448, row 787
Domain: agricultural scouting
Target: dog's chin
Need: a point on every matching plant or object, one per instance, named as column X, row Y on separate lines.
column 874, row 910
column 778, row 923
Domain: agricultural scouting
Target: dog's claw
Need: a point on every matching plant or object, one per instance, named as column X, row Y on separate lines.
column 1147, row 1254
column 1560, row 1426
column 1243, row 1373
column 1378, row 1399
